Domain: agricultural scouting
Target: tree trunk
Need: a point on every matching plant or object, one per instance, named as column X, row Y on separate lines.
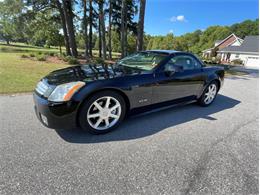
column 109, row 30
column 90, row 27
column 85, row 27
column 7, row 42
column 102, row 28
column 123, row 29
column 60, row 49
column 99, row 39
column 70, row 27
column 140, row 30
column 64, row 28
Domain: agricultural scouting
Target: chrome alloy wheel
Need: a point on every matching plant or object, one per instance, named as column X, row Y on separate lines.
column 104, row 113
column 210, row 94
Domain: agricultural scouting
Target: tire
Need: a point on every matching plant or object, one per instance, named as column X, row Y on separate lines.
column 207, row 96
column 96, row 116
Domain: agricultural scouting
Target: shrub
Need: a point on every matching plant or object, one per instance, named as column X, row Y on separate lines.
column 65, row 58
column 52, row 54
column 39, row 53
column 99, row 61
column 69, row 59
column 41, row 57
column 237, row 61
column 24, row 56
column 32, row 55
column 72, row 60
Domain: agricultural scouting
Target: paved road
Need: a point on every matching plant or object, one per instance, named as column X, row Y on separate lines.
column 183, row 150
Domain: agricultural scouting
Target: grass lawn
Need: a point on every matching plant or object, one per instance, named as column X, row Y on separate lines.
column 234, row 73
column 20, row 74
column 229, row 71
column 21, row 47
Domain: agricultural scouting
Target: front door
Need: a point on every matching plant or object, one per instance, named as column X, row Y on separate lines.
column 185, row 82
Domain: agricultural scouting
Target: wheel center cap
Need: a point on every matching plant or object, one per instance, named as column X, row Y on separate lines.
column 105, row 113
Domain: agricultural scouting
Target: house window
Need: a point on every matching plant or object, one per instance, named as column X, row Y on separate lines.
column 237, row 56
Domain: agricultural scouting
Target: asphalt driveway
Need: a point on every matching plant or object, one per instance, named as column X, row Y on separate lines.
column 181, row 150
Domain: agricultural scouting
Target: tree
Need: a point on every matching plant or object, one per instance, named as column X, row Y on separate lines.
column 140, row 36
column 248, row 27
column 64, row 27
column 102, row 28
column 10, row 11
column 110, row 29
column 85, row 28
column 67, row 7
column 123, row 29
column 90, row 45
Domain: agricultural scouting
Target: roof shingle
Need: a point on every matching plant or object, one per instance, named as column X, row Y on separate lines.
column 250, row 44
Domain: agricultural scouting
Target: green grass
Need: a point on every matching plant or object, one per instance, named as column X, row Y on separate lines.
column 20, row 70
column 22, row 74
column 229, row 71
column 25, row 48
column 21, row 47
column 235, row 73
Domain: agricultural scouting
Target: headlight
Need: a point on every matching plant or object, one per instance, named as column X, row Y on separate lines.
column 64, row 92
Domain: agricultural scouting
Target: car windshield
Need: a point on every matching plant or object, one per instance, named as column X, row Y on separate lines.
column 142, row 60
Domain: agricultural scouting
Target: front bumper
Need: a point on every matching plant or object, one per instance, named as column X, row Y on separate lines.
column 56, row 115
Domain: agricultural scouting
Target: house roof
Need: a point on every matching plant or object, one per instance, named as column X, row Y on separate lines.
column 222, row 41
column 219, row 42
column 249, row 45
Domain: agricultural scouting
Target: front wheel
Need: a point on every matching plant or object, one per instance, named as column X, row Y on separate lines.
column 102, row 112
column 209, row 94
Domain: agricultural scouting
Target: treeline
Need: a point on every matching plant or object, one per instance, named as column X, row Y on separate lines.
column 104, row 25
column 83, row 22
column 198, row 40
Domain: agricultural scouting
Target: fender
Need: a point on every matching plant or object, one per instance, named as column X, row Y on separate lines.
column 211, row 77
column 93, row 87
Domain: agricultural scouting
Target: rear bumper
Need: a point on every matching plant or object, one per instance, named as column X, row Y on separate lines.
column 56, row 115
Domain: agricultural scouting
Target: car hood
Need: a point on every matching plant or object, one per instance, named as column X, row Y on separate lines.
column 88, row 73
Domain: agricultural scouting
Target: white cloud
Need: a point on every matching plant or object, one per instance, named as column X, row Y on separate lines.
column 171, row 31
column 179, row 18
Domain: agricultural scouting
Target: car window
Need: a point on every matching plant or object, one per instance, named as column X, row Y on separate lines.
column 185, row 61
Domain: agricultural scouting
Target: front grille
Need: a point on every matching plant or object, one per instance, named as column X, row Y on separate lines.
column 42, row 88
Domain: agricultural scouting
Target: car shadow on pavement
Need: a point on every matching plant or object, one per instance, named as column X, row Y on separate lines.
column 145, row 124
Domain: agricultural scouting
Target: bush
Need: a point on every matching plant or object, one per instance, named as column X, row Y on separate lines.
column 24, row 56
column 237, row 61
column 69, row 59
column 99, row 61
column 41, row 57
column 72, row 60
column 52, row 54
column 65, row 58
column 32, row 55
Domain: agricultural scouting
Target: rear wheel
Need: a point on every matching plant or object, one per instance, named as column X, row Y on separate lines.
column 102, row 112
column 209, row 94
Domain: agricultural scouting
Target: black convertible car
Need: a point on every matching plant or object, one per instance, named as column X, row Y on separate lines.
column 97, row 97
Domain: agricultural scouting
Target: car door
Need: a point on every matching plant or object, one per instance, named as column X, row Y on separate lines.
column 185, row 81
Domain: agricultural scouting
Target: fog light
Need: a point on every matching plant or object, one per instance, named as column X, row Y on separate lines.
column 44, row 119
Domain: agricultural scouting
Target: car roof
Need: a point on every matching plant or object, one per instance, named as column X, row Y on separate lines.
column 163, row 51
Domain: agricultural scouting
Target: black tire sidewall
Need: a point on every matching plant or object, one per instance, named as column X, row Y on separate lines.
column 82, row 117
column 202, row 97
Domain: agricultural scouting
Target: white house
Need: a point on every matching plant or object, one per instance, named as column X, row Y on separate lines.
column 248, row 52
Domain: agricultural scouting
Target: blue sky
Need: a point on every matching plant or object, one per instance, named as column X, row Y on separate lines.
column 182, row 16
